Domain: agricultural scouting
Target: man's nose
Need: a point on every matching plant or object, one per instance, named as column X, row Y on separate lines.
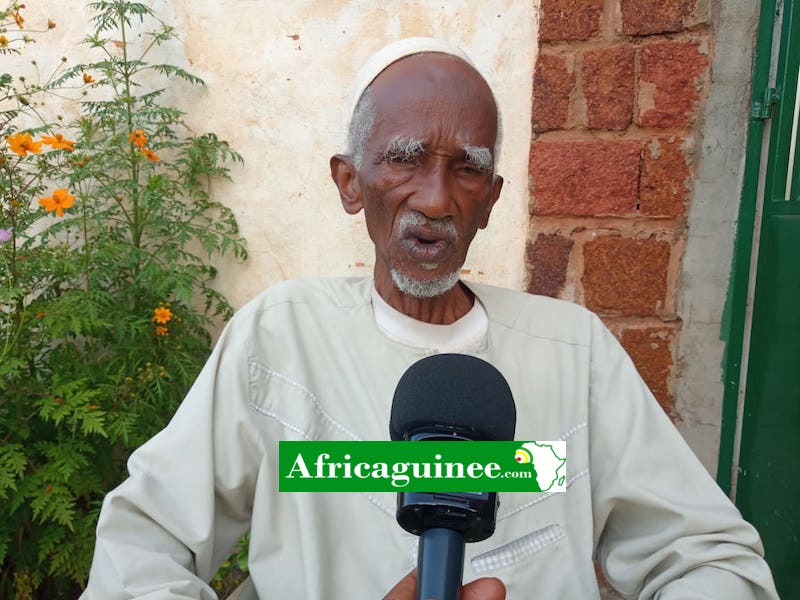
column 433, row 194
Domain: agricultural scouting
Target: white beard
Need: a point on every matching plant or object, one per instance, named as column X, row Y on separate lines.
column 424, row 289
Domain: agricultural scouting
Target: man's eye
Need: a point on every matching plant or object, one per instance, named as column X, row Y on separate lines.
column 470, row 169
column 403, row 159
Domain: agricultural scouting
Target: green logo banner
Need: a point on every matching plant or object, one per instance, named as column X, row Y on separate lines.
column 427, row 466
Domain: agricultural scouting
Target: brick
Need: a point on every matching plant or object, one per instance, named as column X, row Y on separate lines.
column 625, row 277
column 553, row 82
column 666, row 177
column 608, row 85
column 651, row 351
column 671, row 83
column 569, row 19
column 645, row 17
column 547, row 258
column 584, row 178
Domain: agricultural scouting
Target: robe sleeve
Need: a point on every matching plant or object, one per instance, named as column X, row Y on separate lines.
column 663, row 528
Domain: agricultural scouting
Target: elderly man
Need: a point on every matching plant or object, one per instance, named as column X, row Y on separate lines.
column 320, row 360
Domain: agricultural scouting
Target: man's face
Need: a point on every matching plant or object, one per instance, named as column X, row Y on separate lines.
column 426, row 181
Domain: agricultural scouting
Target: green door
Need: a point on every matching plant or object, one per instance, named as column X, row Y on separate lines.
column 767, row 483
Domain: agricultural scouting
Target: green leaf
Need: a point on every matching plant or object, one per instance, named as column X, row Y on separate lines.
column 56, row 504
column 12, row 466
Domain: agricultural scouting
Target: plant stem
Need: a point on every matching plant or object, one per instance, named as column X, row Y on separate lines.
column 137, row 224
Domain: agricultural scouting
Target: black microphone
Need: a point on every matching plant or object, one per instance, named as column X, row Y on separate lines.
column 449, row 397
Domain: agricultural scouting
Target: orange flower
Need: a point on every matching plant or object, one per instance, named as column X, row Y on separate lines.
column 58, row 142
column 88, row 78
column 162, row 314
column 22, row 143
column 60, row 200
column 151, row 156
column 3, row 41
column 161, row 330
column 18, row 18
column 138, row 137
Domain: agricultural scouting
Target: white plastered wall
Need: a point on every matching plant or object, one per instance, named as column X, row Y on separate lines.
column 277, row 79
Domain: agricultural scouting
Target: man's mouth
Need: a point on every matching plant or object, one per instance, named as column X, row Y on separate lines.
column 427, row 241
column 427, row 246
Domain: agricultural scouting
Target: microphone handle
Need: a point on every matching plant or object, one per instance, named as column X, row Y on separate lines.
column 440, row 564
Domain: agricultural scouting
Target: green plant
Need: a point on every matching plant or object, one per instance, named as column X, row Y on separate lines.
column 107, row 231
column 233, row 570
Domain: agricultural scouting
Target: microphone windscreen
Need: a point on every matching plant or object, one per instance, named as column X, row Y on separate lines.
column 453, row 391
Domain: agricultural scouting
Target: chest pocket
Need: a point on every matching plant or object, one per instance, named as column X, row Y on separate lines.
column 517, row 550
column 528, row 525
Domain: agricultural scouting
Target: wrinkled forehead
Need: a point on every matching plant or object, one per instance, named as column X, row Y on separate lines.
column 434, row 94
column 434, row 77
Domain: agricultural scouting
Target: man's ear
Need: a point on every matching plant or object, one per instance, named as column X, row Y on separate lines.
column 344, row 175
column 497, row 187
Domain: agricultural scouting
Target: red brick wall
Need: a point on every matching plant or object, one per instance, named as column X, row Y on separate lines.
column 617, row 92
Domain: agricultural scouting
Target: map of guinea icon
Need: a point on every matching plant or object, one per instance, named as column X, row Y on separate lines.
column 549, row 459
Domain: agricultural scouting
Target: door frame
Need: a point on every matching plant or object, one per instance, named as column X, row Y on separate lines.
column 766, row 100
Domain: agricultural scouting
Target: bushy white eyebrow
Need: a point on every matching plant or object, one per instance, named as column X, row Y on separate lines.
column 479, row 157
column 407, row 149
column 403, row 149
